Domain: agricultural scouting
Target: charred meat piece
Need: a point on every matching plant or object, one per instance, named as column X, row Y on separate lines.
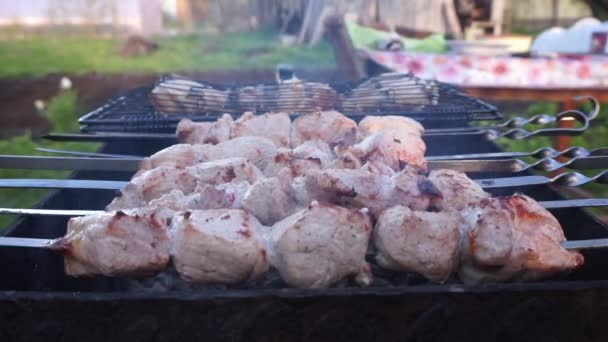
column 426, row 243
column 259, row 151
column 392, row 148
column 390, row 92
column 222, row 246
column 215, row 132
column 295, row 96
column 321, row 245
column 275, row 127
column 182, row 96
column 155, row 183
column 376, row 124
column 269, row 200
column 459, row 191
column 363, row 189
column 513, row 238
column 330, row 127
column 115, row 243
column 189, row 132
column 178, row 155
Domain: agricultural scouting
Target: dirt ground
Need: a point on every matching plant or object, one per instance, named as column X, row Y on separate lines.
column 17, row 96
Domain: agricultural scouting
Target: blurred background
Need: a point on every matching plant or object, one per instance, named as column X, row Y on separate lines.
column 60, row 59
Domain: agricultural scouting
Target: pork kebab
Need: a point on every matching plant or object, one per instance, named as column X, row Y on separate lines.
column 469, row 233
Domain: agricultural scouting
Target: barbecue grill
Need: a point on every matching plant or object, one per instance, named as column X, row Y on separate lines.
column 135, row 111
column 38, row 301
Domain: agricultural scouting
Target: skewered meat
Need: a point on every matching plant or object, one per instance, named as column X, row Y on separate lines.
column 376, row 124
column 391, row 91
column 273, row 126
column 251, row 99
column 416, row 241
column 363, row 189
column 321, row 245
column 311, row 155
column 169, row 204
column 181, row 96
column 155, row 183
column 269, row 200
column 115, row 243
column 178, row 155
column 314, row 150
column 215, row 132
column 222, row 246
column 458, row 190
column 305, row 97
column 259, row 151
column 391, row 148
column 512, row 238
column 225, row 171
column 329, row 126
column 189, row 132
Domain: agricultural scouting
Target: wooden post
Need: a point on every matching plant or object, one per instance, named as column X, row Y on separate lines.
column 348, row 62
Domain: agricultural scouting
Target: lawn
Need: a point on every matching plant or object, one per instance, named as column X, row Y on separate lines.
column 63, row 111
column 200, row 52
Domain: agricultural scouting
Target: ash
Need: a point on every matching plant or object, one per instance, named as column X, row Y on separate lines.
column 170, row 281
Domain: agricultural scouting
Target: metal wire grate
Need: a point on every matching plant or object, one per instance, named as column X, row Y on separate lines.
column 160, row 108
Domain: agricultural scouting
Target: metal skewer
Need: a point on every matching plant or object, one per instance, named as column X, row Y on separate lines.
column 559, row 204
column 85, row 154
column 571, row 179
column 541, row 153
column 56, row 245
column 132, row 164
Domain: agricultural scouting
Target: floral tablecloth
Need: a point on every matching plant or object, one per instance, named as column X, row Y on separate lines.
column 568, row 72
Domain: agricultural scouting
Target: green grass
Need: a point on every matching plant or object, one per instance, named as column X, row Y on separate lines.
column 244, row 50
column 63, row 112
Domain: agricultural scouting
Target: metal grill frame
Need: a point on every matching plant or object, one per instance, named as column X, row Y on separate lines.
column 135, row 112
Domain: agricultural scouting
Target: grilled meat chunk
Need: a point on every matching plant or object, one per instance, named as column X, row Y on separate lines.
column 155, row 183
column 181, row 96
column 215, row 132
column 189, row 132
column 222, row 246
column 375, row 124
column 417, row 241
column 115, row 243
column 363, row 189
column 458, row 190
column 273, row 126
column 178, row 155
column 330, row 127
column 259, row 151
column 513, row 238
column 321, row 245
column 269, row 200
column 392, row 148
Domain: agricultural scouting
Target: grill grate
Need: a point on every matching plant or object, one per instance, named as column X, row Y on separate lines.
column 160, row 108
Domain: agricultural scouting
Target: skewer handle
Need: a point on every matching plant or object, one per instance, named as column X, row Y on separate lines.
column 541, row 153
